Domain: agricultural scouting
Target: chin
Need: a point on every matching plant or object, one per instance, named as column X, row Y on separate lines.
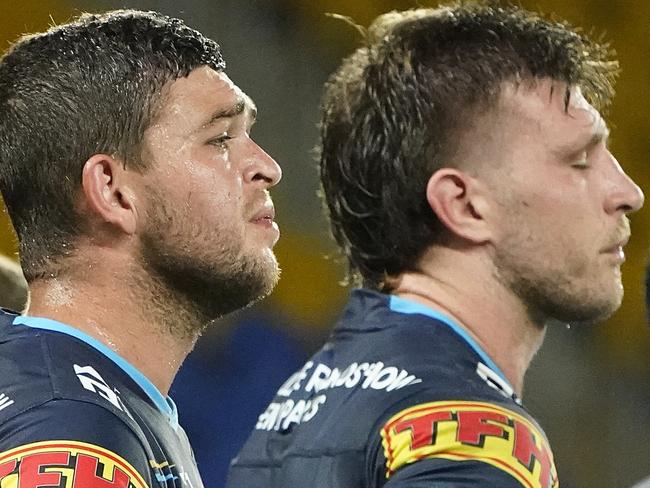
column 240, row 292
column 271, row 277
column 593, row 312
column 261, row 275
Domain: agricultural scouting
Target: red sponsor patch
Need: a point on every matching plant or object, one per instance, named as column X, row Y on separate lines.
column 67, row 464
column 459, row 431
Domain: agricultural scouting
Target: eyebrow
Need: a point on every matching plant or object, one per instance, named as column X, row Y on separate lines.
column 600, row 134
column 233, row 111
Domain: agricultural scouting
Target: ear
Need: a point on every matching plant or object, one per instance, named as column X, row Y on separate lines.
column 105, row 187
column 458, row 202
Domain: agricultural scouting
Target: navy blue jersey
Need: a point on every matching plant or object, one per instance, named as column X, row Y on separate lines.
column 74, row 414
column 400, row 396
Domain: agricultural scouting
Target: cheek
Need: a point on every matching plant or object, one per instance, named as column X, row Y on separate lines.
column 565, row 243
column 553, row 224
column 560, row 229
column 216, row 174
column 539, row 229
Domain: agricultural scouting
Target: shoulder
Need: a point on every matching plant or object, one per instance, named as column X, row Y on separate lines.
column 27, row 380
column 386, row 360
column 75, row 440
column 42, row 365
column 453, row 438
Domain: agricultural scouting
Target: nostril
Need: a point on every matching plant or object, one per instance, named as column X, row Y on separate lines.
column 260, row 176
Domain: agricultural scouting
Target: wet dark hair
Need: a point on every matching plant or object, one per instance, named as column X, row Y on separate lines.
column 393, row 112
column 90, row 86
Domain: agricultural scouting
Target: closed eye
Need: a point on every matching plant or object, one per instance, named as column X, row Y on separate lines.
column 581, row 161
column 221, row 140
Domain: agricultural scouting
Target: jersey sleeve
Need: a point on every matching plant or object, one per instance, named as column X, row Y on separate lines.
column 460, row 444
column 74, row 444
column 440, row 473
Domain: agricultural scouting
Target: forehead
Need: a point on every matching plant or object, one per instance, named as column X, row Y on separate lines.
column 540, row 108
column 187, row 100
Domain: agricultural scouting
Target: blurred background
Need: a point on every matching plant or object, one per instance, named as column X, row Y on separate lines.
column 589, row 386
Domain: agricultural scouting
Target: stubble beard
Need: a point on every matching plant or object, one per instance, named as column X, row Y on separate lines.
column 554, row 293
column 194, row 274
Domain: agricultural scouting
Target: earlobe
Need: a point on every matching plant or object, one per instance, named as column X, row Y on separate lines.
column 106, row 192
column 455, row 198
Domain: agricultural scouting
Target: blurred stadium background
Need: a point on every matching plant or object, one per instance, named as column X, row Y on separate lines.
column 589, row 386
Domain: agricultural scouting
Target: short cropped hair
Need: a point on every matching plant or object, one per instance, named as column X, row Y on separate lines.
column 86, row 87
column 393, row 112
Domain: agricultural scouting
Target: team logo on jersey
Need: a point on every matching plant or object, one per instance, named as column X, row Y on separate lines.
column 461, row 431
column 91, row 380
column 5, row 401
column 66, row 464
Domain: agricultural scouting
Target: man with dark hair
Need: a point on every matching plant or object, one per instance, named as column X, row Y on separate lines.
column 143, row 213
column 468, row 182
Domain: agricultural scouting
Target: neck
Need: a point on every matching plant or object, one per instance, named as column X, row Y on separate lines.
column 119, row 307
column 493, row 316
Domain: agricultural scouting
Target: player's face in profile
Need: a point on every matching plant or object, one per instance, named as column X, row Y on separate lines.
column 210, row 226
column 564, row 199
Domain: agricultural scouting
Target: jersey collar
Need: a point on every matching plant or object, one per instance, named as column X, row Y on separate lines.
column 403, row 305
column 164, row 404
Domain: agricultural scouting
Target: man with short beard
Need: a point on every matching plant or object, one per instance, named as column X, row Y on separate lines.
column 143, row 213
column 465, row 169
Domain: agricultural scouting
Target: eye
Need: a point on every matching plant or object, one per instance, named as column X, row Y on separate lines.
column 581, row 161
column 584, row 164
column 221, row 141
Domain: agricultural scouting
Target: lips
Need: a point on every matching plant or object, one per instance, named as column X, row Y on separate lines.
column 263, row 219
column 267, row 213
column 617, row 246
column 615, row 250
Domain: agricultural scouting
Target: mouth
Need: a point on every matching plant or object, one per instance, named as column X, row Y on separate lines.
column 264, row 216
column 265, row 219
column 616, row 249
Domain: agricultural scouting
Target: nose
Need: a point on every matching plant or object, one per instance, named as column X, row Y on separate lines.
column 626, row 195
column 263, row 168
